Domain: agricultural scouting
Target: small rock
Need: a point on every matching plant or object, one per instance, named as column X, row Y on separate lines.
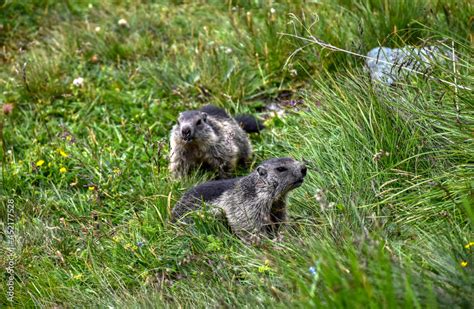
column 95, row 59
column 388, row 65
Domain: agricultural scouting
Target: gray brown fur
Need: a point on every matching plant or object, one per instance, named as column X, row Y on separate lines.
column 253, row 205
column 208, row 137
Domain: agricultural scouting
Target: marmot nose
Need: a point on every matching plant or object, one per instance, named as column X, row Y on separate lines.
column 303, row 171
column 186, row 131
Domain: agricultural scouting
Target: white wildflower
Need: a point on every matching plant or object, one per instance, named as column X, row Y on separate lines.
column 377, row 156
column 123, row 22
column 78, row 82
column 97, row 29
column 321, row 198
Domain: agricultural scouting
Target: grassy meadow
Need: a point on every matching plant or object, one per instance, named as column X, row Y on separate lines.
column 89, row 91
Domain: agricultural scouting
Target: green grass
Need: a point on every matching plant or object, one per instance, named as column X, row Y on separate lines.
column 391, row 229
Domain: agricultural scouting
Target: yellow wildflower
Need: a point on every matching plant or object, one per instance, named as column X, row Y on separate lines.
column 470, row 244
column 40, row 162
column 62, row 170
column 62, row 153
column 463, row 263
column 264, row 269
column 91, row 188
column 78, row 277
column 129, row 246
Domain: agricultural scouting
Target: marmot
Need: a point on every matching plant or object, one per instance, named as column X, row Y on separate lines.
column 210, row 138
column 254, row 204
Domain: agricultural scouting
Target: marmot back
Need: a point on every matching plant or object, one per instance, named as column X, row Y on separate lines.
column 209, row 138
column 254, row 204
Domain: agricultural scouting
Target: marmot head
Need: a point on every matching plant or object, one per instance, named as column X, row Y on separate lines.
column 192, row 125
column 282, row 174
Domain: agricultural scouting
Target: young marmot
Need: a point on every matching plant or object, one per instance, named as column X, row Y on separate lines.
column 254, row 204
column 210, row 138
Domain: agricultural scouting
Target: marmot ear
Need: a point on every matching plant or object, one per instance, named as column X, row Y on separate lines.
column 262, row 171
column 204, row 116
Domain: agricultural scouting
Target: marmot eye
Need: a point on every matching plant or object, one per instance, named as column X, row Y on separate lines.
column 198, row 122
column 281, row 169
